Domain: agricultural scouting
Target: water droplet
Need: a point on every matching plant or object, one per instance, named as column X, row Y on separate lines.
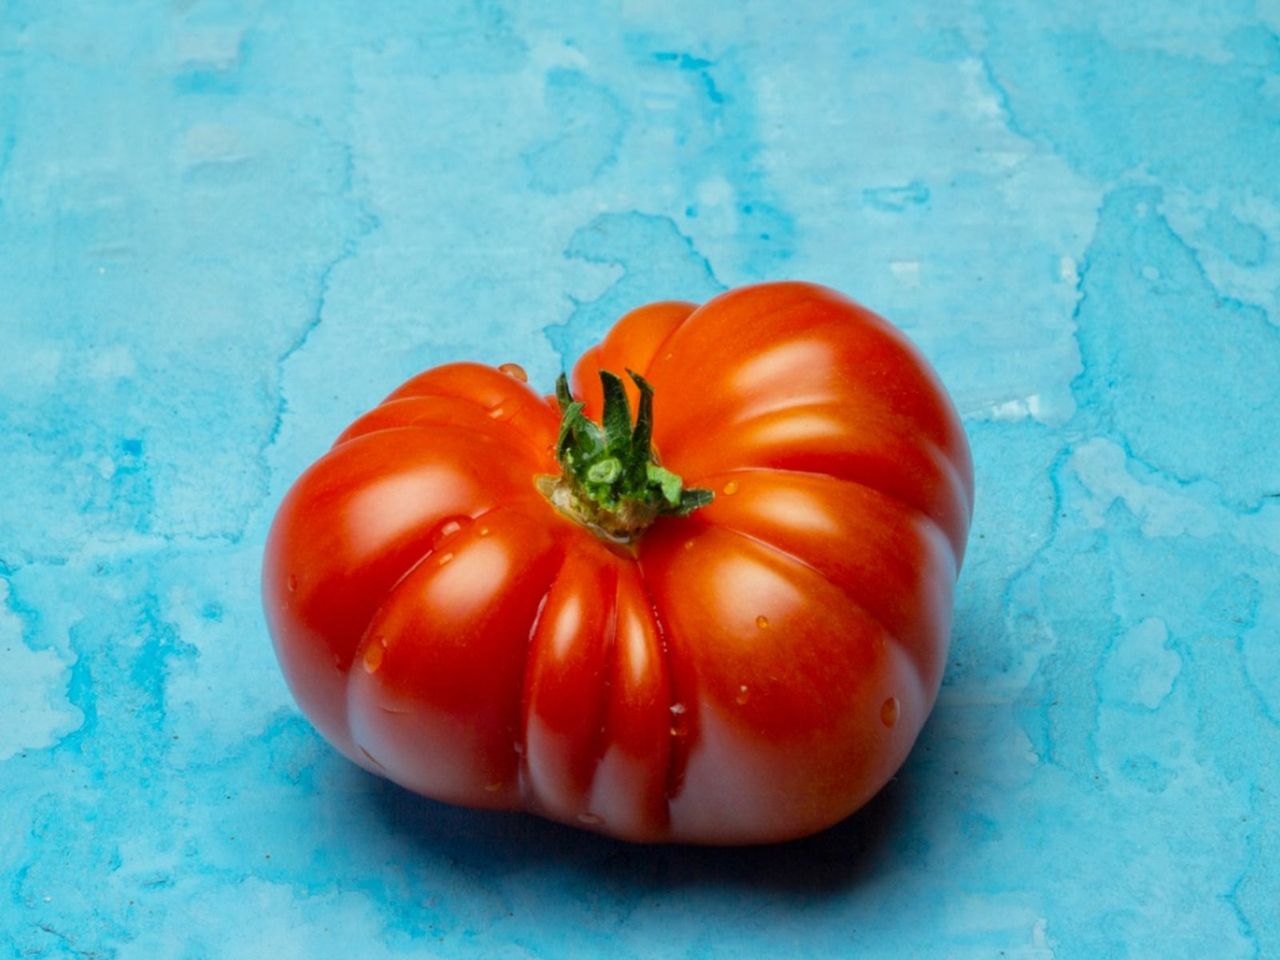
column 293, row 582
column 373, row 654
column 445, row 558
column 590, row 819
column 743, row 694
column 762, row 621
column 730, row 488
column 889, row 712
column 498, row 412
column 492, row 787
column 678, row 720
column 484, row 531
column 446, row 528
column 518, row 747
column 515, row 371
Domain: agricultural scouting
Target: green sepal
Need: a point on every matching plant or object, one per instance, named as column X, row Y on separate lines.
column 642, row 436
column 580, row 442
column 612, row 482
column 572, row 412
column 692, row 499
column 668, row 483
column 563, row 396
column 617, row 414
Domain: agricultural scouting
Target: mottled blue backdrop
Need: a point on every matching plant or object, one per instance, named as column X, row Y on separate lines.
column 226, row 228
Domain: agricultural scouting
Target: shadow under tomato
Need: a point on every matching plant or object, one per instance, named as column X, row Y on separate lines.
column 488, row 844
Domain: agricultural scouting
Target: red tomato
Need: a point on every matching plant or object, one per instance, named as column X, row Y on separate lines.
column 751, row 671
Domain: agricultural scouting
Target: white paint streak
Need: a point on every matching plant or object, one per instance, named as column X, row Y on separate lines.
column 34, row 711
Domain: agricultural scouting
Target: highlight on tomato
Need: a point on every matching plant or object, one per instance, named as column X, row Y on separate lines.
column 700, row 594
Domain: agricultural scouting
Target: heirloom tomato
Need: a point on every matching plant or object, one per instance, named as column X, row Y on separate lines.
column 723, row 620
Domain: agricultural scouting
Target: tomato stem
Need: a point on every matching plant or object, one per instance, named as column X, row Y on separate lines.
column 612, row 482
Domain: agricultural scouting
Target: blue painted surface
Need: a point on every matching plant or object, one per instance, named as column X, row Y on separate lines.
column 226, row 228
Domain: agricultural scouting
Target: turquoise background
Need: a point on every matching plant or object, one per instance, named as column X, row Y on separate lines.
column 226, row 228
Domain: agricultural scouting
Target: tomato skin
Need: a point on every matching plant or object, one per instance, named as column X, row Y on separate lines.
column 750, row 673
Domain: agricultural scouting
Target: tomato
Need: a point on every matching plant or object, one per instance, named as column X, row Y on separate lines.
column 733, row 635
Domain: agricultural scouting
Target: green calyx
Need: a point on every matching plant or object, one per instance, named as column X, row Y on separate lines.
column 612, row 482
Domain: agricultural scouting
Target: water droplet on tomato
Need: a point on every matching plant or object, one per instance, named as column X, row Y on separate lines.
column 889, row 712
column 373, row 654
column 590, row 819
column 515, row 371
column 445, row 558
column 293, row 582
column 730, row 488
column 484, row 531
column 446, row 528
column 678, row 721
column 762, row 621
column 498, row 413
column 518, row 747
